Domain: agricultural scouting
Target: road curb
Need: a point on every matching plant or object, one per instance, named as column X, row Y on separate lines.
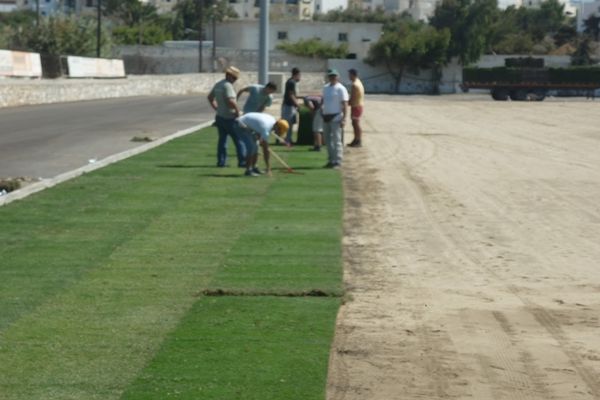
column 48, row 183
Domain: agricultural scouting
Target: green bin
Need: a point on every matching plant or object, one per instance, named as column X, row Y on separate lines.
column 305, row 134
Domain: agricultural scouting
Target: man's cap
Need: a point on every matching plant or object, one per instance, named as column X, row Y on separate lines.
column 332, row 72
column 233, row 71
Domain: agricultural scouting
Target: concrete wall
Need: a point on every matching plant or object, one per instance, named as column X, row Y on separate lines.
column 184, row 59
column 18, row 92
column 379, row 80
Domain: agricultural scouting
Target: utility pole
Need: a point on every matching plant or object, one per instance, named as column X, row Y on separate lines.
column 99, row 28
column 37, row 12
column 263, row 45
column 214, row 38
column 200, row 16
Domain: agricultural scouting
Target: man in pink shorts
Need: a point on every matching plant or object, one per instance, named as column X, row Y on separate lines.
column 357, row 96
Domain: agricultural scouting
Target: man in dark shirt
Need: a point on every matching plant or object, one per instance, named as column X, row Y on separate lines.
column 290, row 102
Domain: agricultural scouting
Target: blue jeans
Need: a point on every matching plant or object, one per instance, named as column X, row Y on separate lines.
column 247, row 138
column 226, row 126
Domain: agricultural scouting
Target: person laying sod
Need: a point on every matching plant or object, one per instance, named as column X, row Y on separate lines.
column 254, row 129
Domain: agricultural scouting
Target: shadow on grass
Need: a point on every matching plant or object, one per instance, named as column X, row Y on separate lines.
column 184, row 166
column 240, row 175
column 306, row 168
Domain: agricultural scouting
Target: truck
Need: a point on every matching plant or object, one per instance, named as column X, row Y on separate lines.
column 527, row 78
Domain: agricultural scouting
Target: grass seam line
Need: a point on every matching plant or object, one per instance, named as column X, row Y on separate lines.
column 244, row 293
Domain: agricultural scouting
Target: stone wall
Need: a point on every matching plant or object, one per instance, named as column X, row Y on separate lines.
column 18, row 92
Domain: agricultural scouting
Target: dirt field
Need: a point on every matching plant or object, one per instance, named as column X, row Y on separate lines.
column 472, row 252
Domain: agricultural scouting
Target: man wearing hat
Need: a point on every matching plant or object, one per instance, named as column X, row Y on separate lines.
column 222, row 98
column 334, row 109
column 254, row 129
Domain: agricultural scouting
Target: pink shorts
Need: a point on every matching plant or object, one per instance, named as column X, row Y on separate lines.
column 356, row 112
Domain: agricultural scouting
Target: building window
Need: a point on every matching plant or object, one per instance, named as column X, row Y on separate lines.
column 282, row 35
column 342, row 37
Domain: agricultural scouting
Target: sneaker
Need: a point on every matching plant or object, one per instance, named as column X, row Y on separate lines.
column 336, row 166
column 256, row 171
column 249, row 172
column 316, row 148
column 329, row 165
column 355, row 144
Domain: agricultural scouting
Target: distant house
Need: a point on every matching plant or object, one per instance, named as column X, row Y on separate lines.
column 570, row 9
column 585, row 11
column 279, row 9
column 420, row 10
column 323, row 6
column 163, row 6
column 244, row 34
column 49, row 7
column 8, row 5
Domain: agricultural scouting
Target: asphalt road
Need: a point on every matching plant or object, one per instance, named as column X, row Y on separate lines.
column 47, row 140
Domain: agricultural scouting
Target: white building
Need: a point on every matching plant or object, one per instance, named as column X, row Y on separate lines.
column 323, row 6
column 49, row 7
column 418, row 9
column 294, row 10
column 586, row 10
column 163, row 6
column 244, row 34
column 8, row 5
column 570, row 9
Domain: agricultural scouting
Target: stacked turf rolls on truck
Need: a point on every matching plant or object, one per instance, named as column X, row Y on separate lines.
column 528, row 79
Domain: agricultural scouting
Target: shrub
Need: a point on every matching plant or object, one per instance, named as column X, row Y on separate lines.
column 315, row 48
column 149, row 35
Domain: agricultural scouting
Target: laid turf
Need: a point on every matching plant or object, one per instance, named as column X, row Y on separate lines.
column 163, row 268
column 244, row 348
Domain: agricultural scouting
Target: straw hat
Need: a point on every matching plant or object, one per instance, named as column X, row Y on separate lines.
column 233, row 71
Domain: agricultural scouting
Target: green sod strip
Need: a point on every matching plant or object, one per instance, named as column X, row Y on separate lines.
column 293, row 246
column 97, row 271
column 244, row 348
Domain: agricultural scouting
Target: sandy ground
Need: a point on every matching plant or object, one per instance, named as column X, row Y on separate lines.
column 472, row 252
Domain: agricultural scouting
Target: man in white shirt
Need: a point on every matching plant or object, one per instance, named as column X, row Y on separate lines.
column 254, row 129
column 334, row 109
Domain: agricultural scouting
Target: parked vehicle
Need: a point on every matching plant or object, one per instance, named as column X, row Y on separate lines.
column 524, row 79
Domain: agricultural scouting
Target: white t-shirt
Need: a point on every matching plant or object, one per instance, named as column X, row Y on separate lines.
column 333, row 96
column 260, row 123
